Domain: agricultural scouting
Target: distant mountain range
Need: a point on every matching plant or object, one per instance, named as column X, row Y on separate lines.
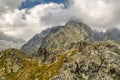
column 112, row 34
column 9, row 42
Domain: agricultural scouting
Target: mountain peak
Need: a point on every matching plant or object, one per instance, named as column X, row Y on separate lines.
column 57, row 39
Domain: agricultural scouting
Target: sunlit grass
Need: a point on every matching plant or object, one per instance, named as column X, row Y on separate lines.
column 32, row 69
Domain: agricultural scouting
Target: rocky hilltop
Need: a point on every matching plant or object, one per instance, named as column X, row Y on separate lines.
column 69, row 52
column 87, row 61
column 96, row 61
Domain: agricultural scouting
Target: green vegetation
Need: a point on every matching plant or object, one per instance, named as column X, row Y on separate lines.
column 29, row 69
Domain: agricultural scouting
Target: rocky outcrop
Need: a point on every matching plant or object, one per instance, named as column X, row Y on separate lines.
column 87, row 61
column 97, row 61
column 11, row 62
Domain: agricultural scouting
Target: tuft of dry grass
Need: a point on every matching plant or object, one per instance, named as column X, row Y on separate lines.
column 31, row 68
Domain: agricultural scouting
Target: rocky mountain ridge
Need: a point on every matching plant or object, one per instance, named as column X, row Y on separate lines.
column 73, row 31
column 96, row 61
column 69, row 52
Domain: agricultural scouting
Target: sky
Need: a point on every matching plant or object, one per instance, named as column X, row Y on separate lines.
column 25, row 22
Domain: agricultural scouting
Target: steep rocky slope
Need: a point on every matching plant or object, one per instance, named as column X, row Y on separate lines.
column 73, row 31
column 97, row 61
column 10, row 63
column 59, row 38
column 32, row 46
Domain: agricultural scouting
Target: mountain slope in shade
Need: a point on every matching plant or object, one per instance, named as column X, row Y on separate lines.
column 112, row 34
column 32, row 46
column 10, row 42
column 59, row 38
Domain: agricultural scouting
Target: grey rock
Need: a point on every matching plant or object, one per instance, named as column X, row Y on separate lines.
column 97, row 61
column 112, row 34
column 73, row 31
column 61, row 40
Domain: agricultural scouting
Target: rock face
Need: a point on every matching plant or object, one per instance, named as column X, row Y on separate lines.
column 32, row 46
column 62, row 39
column 58, row 39
column 96, row 61
column 10, row 42
column 112, row 34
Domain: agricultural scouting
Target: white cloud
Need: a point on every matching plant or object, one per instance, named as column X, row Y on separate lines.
column 25, row 23
column 97, row 13
column 100, row 14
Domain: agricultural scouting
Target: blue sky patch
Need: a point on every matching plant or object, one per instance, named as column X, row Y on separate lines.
column 32, row 3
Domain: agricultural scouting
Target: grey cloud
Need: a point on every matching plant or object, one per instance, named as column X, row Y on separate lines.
column 6, row 5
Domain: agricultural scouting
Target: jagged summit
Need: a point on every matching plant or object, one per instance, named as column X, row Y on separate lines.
column 112, row 34
column 60, row 36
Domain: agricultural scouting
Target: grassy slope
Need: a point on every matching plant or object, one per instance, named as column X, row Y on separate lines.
column 31, row 68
